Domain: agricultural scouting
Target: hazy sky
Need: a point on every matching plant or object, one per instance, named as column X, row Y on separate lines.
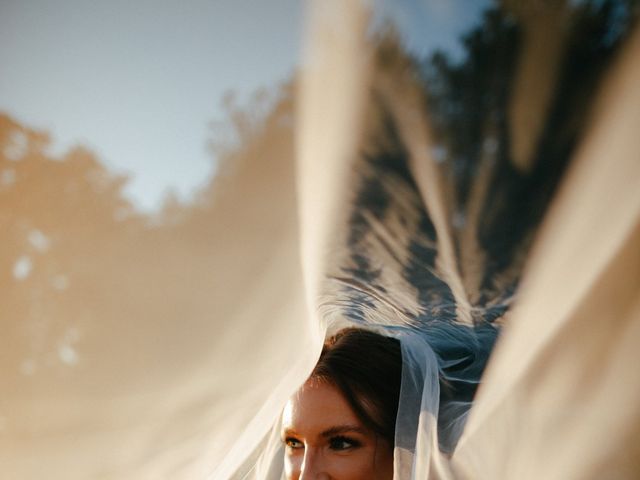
column 426, row 25
column 140, row 81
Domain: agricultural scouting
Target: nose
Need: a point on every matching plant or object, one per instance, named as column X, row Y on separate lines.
column 312, row 467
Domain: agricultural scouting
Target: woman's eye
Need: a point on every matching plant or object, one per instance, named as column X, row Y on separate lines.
column 342, row 443
column 293, row 443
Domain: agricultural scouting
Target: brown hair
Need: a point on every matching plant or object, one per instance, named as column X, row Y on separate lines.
column 366, row 367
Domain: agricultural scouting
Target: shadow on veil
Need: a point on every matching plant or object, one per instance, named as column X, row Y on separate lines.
column 457, row 202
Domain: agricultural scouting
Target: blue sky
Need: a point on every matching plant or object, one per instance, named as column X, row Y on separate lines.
column 139, row 82
column 427, row 25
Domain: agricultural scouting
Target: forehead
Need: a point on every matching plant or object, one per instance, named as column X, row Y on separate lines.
column 315, row 407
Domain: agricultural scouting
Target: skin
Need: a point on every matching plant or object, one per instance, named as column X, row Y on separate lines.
column 325, row 440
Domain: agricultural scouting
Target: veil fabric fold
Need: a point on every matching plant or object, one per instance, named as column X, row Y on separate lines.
column 438, row 239
column 456, row 200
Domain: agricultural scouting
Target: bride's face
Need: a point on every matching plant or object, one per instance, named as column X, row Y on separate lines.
column 325, row 440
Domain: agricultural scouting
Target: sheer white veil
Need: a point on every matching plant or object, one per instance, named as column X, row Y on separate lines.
column 442, row 197
column 416, row 449
column 365, row 224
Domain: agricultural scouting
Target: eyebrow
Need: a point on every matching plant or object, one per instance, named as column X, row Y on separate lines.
column 340, row 429
column 330, row 432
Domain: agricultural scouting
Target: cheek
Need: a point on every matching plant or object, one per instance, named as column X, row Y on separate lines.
column 358, row 465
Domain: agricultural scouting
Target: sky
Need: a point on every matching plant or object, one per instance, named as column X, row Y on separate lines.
column 140, row 82
column 427, row 25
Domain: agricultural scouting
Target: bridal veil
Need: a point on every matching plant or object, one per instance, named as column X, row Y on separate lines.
column 461, row 194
